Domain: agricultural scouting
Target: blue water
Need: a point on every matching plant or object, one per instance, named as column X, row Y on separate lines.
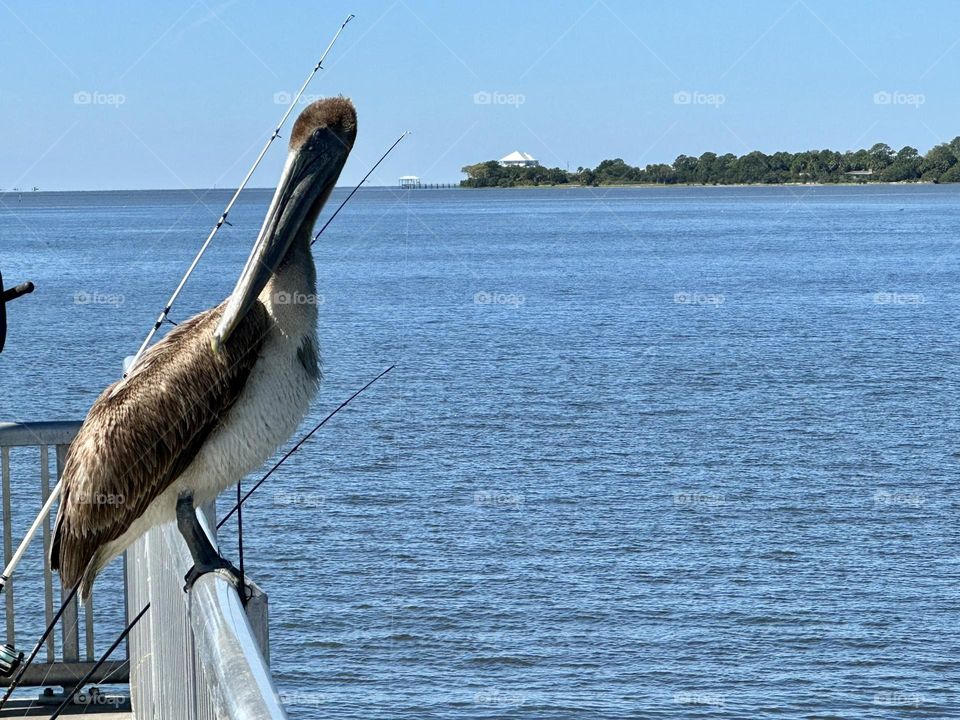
column 678, row 453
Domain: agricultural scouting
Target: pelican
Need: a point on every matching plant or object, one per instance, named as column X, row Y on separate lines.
column 215, row 398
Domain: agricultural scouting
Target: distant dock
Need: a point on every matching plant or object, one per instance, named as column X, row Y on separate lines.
column 412, row 182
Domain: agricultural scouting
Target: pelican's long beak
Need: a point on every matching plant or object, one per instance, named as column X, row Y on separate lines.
column 310, row 173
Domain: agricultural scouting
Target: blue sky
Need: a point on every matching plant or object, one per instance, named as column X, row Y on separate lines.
column 183, row 94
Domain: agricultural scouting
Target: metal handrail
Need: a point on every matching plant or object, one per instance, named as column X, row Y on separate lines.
column 220, row 670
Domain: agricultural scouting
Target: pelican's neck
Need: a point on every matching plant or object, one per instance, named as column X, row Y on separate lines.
column 290, row 294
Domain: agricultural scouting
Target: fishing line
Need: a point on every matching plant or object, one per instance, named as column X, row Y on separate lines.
column 97, row 665
column 240, row 498
column 243, row 585
column 296, row 447
column 346, row 199
column 36, row 649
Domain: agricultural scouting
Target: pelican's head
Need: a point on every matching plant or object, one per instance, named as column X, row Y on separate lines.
column 320, row 142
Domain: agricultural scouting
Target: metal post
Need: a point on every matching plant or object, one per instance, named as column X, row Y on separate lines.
column 7, row 537
column 47, row 574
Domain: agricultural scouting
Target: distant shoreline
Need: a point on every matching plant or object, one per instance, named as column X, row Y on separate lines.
column 561, row 186
column 642, row 186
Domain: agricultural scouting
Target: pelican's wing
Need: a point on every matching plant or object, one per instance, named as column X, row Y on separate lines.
column 144, row 431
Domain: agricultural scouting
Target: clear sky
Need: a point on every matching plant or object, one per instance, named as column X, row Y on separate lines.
column 182, row 94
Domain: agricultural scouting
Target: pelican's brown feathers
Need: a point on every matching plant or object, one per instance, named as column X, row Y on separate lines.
column 143, row 432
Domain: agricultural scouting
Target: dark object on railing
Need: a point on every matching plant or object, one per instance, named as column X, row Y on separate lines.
column 5, row 297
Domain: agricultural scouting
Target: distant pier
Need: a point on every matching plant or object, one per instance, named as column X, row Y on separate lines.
column 412, row 182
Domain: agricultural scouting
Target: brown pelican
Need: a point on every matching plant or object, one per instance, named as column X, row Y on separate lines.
column 216, row 397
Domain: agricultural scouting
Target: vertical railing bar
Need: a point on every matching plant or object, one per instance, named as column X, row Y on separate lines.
column 88, row 626
column 126, row 599
column 47, row 573
column 7, row 537
column 69, row 621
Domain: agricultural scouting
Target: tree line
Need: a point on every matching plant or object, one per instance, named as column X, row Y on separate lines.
column 880, row 163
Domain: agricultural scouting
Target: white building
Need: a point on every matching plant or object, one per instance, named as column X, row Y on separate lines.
column 409, row 181
column 519, row 159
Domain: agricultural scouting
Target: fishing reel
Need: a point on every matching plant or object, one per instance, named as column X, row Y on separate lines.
column 5, row 297
column 10, row 660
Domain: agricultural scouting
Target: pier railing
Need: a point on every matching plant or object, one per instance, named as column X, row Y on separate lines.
column 63, row 662
column 191, row 657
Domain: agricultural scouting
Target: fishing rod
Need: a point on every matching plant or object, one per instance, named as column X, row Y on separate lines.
column 55, row 492
column 143, row 611
column 223, row 218
column 36, row 648
column 103, row 658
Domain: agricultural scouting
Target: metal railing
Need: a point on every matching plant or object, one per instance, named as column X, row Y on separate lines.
column 63, row 666
column 192, row 656
column 196, row 656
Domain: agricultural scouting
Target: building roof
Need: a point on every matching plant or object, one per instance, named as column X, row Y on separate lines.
column 517, row 156
column 409, row 177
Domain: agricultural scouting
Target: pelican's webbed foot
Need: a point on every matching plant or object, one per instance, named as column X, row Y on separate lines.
column 205, row 556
